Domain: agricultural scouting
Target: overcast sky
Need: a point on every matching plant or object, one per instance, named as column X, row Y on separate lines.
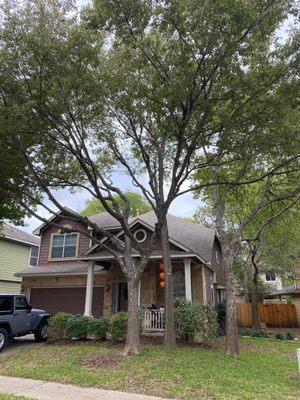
column 184, row 206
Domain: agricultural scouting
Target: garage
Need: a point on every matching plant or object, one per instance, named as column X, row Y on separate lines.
column 70, row 300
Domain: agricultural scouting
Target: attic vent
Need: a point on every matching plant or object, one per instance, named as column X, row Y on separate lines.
column 140, row 235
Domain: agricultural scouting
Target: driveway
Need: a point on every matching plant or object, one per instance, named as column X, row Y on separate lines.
column 20, row 344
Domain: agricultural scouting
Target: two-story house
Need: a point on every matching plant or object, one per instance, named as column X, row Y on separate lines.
column 75, row 275
column 271, row 280
column 292, row 291
column 16, row 248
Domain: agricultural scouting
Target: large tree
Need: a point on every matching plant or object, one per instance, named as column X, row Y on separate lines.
column 51, row 87
column 180, row 88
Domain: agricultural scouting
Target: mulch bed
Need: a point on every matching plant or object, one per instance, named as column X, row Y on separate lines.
column 110, row 360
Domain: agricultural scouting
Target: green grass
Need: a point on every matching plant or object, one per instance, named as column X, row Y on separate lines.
column 265, row 370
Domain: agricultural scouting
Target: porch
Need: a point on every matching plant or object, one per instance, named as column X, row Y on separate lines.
column 191, row 280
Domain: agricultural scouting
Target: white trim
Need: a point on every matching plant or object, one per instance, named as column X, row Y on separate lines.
column 89, row 290
column 57, row 274
column 145, row 235
column 188, row 279
column 155, row 257
column 38, row 257
column 150, row 227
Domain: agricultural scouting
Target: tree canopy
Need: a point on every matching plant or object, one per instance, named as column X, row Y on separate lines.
column 143, row 88
column 138, row 205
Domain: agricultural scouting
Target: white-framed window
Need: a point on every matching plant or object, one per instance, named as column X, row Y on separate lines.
column 140, row 235
column 270, row 276
column 33, row 256
column 64, row 245
column 179, row 284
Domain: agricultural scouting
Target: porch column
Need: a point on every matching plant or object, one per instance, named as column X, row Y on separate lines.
column 188, row 279
column 89, row 289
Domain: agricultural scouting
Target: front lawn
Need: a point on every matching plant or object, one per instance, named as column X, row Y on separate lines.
column 265, row 370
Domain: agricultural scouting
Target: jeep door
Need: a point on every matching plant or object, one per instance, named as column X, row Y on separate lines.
column 21, row 320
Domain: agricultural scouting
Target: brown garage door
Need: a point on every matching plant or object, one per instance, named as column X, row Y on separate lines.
column 70, row 300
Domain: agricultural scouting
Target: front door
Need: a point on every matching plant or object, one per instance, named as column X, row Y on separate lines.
column 22, row 316
column 123, row 297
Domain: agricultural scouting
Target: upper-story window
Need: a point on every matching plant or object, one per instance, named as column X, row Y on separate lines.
column 64, row 245
column 33, row 257
column 270, row 276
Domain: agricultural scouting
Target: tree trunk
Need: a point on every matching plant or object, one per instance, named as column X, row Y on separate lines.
column 133, row 273
column 255, row 316
column 133, row 332
column 232, row 344
column 246, row 284
column 170, row 334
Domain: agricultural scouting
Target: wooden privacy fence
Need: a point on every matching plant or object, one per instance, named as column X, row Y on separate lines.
column 273, row 315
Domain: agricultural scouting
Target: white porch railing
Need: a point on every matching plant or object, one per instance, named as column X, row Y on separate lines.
column 153, row 321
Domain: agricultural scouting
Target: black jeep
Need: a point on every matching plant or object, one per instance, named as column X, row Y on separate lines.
column 17, row 318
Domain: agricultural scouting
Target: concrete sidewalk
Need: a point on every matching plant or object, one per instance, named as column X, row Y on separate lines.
column 49, row 391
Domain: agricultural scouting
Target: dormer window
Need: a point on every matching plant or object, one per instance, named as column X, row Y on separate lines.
column 64, row 245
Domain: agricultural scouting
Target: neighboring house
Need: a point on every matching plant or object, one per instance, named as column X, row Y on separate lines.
column 17, row 248
column 72, row 270
column 271, row 280
column 293, row 291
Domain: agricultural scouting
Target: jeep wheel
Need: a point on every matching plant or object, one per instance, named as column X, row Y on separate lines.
column 41, row 334
column 3, row 339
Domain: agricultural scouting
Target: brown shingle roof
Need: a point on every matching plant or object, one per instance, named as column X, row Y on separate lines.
column 13, row 233
column 194, row 237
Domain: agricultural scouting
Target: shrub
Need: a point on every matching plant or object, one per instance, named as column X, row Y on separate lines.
column 77, row 327
column 289, row 335
column 252, row 333
column 195, row 321
column 57, row 325
column 98, row 328
column 118, row 326
column 186, row 324
column 279, row 336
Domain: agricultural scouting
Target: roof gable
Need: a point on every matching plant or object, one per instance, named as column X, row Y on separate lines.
column 185, row 236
